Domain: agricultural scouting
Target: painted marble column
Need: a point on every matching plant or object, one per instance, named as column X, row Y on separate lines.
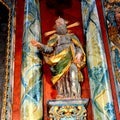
column 102, row 102
column 112, row 19
column 31, row 83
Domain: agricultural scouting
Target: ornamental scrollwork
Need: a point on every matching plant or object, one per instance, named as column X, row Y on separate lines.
column 68, row 112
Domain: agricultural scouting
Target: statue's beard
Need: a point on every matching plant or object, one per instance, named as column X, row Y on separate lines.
column 61, row 29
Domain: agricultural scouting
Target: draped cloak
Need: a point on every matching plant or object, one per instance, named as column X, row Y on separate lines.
column 61, row 62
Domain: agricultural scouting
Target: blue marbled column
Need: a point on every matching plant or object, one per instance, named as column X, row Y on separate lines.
column 112, row 19
column 102, row 102
column 31, row 83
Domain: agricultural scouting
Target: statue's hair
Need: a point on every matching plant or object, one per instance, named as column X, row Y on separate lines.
column 60, row 20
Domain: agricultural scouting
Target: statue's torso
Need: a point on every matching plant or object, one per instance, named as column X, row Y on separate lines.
column 63, row 42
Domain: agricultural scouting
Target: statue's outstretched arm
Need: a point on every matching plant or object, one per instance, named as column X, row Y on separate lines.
column 44, row 48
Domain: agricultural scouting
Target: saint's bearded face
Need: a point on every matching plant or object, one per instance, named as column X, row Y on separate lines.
column 61, row 28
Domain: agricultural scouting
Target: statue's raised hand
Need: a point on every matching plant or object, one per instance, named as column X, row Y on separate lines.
column 35, row 43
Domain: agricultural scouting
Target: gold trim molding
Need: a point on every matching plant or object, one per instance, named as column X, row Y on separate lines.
column 67, row 109
column 67, row 112
column 4, row 102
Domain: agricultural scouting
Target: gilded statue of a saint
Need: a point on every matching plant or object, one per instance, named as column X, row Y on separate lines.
column 66, row 57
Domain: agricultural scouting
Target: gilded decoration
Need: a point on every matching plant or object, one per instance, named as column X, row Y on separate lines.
column 68, row 112
column 113, row 21
column 3, row 113
column 67, row 109
column 6, row 110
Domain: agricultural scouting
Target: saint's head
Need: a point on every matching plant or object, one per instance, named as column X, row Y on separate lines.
column 61, row 26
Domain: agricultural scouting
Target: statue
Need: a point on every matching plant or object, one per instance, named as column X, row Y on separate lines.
column 66, row 57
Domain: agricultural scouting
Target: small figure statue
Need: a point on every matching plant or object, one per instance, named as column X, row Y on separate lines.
column 66, row 58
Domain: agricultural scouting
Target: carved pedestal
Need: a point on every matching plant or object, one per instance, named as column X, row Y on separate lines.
column 71, row 109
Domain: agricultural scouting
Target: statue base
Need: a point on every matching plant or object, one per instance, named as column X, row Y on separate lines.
column 68, row 109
